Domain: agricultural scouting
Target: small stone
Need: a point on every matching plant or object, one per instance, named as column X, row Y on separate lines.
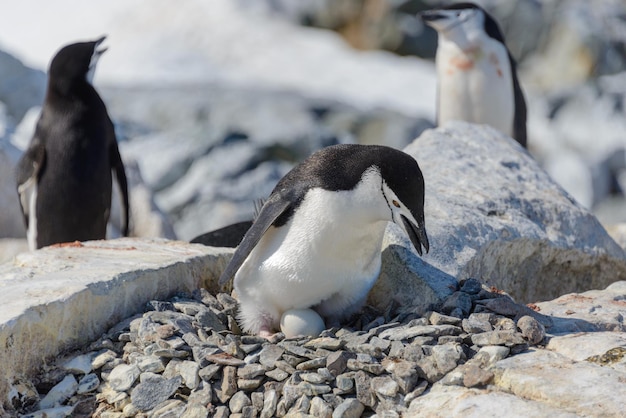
column 312, row 378
column 385, row 385
column 373, row 368
column 478, row 322
column 447, row 357
column 403, row 372
column 292, row 360
column 471, row 286
column 350, row 408
column 299, row 351
column 171, row 369
column 209, row 320
column 80, row 364
column 257, row 401
column 362, row 383
column 450, row 339
column 238, row 401
column 207, row 373
column 151, row 392
column 406, row 333
column 170, row 353
column 224, row 359
column 59, row 392
column 202, row 395
column 102, row 358
column 270, row 354
column 277, row 374
column 326, row 343
column 412, row 353
column 302, row 405
column 165, row 331
column 435, row 318
column 250, row 371
column 312, row 364
column 320, row 408
column 189, row 372
column 337, row 362
column 326, row 374
column 270, row 400
column 504, row 324
column 192, row 339
column 160, row 306
column 286, row 367
column 475, row 376
column 123, row 376
column 531, row 329
column 88, row 383
column 152, row 364
column 419, row 389
column 249, row 384
column 194, row 411
column 344, row 384
column 457, row 300
column 168, row 408
column 310, row 389
column 490, row 354
column 506, row 338
column 228, row 386
column 221, row 412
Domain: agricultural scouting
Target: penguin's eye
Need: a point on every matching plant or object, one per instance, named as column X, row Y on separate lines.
column 395, row 203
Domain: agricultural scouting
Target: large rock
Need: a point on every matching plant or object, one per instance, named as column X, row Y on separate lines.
column 492, row 213
column 65, row 296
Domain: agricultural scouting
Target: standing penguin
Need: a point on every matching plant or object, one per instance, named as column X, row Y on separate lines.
column 477, row 76
column 316, row 242
column 64, row 177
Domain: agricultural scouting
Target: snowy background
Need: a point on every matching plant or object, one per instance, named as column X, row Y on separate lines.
column 215, row 100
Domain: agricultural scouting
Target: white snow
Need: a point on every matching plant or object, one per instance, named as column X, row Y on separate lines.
column 156, row 41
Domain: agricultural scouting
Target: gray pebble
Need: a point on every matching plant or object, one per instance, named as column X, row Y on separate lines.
column 207, row 373
column 506, row 338
column 149, row 393
column 88, row 383
column 320, row 408
column 238, row 401
column 337, row 362
column 531, row 329
column 350, row 408
column 270, row 400
column 277, row 374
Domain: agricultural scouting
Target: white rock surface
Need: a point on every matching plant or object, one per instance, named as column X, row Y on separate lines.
column 60, row 392
column 68, row 295
column 492, row 213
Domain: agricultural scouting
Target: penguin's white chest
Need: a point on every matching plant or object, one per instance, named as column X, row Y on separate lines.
column 475, row 85
column 330, row 248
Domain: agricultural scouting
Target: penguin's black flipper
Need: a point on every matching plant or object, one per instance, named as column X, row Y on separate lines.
column 519, row 120
column 27, row 172
column 120, row 175
column 229, row 236
column 275, row 206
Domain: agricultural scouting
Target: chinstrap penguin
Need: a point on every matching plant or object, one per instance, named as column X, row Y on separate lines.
column 477, row 75
column 64, row 178
column 316, row 242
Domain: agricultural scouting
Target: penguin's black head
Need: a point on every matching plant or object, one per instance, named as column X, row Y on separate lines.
column 403, row 189
column 76, row 62
column 462, row 14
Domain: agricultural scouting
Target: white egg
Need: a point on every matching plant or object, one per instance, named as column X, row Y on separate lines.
column 295, row 322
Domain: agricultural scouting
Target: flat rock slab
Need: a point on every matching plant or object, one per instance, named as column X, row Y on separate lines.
column 63, row 296
column 577, row 374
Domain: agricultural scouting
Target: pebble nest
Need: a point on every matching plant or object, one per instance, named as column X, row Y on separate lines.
column 187, row 357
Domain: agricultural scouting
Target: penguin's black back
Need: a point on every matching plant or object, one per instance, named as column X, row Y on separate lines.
column 340, row 167
column 74, row 184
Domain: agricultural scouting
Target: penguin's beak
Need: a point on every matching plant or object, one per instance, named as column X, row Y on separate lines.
column 99, row 50
column 417, row 234
column 431, row 15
